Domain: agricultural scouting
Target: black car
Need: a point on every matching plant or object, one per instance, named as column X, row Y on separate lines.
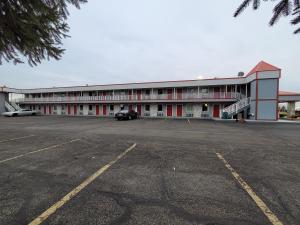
column 126, row 115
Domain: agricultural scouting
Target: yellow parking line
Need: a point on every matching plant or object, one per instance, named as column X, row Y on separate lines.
column 18, row 138
column 40, row 150
column 76, row 190
column 259, row 202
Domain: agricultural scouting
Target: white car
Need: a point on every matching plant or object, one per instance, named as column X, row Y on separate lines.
column 23, row 112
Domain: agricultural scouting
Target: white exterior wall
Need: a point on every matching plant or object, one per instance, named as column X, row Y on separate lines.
column 58, row 109
column 153, row 110
column 85, row 109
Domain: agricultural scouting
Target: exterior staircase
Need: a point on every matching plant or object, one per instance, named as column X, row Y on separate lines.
column 9, row 107
column 15, row 105
column 236, row 108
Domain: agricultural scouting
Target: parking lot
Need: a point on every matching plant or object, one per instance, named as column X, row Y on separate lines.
column 87, row 170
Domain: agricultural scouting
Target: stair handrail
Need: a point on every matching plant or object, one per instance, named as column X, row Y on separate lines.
column 234, row 108
column 9, row 107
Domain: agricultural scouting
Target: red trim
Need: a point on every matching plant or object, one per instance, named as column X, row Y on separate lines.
column 256, row 106
column 277, row 110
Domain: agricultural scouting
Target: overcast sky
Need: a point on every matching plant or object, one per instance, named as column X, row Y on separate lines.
column 120, row 41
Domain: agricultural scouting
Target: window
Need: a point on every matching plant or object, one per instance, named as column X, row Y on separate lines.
column 90, row 107
column 55, row 107
column 147, row 92
column 90, row 93
column 111, row 107
column 147, row 107
column 39, row 107
column 204, row 107
column 62, row 107
column 160, row 91
column 81, row 107
column 189, row 108
column 33, row 107
column 159, row 108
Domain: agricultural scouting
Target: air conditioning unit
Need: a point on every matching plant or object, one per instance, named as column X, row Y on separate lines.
column 63, row 113
column 204, row 115
column 146, row 113
column 81, row 113
column 189, row 115
column 90, row 113
column 111, row 114
column 160, row 114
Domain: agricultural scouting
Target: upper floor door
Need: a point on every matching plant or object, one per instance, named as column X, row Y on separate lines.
column 179, row 93
column 170, row 93
column 216, row 92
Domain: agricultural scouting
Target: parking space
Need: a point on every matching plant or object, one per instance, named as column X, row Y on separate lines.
column 172, row 176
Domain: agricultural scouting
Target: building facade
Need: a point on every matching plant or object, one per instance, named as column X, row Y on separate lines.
column 254, row 96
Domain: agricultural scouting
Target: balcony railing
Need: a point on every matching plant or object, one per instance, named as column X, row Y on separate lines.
column 134, row 98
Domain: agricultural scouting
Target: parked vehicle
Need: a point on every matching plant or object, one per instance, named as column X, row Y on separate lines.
column 23, row 112
column 126, row 115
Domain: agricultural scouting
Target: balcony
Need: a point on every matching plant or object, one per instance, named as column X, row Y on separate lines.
column 184, row 97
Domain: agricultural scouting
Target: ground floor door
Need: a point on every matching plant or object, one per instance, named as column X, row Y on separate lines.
column 130, row 107
column 75, row 110
column 139, row 109
column 69, row 110
column 104, row 110
column 50, row 109
column 216, row 111
column 169, row 110
column 179, row 110
column 97, row 110
column 45, row 110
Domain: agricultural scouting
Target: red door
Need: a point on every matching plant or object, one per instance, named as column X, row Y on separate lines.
column 139, row 92
column 69, row 110
column 228, row 95
column 130, row 107
column 179, row 93
column 139, row 109
column 50, row 109
column 104, row 110
column 129, row 94
column 216, row 92
column 179, row 110
column 45, row 110
column 169, row 110
column 97, row 110
column 170, row 92
column 75, row 110
column 216, row 111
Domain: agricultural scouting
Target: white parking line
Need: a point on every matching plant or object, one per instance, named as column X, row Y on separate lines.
column 39, row 150
column 18, row 138
column 259, row 202
column 76, row 190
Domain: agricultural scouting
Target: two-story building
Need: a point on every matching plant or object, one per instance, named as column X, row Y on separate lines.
column 255, row 95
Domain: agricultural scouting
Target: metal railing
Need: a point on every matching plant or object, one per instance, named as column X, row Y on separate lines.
column 238, row 106
column 142, row 97
column 9, row 107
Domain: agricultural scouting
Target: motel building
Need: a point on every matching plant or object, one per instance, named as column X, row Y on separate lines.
column 253, row 96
